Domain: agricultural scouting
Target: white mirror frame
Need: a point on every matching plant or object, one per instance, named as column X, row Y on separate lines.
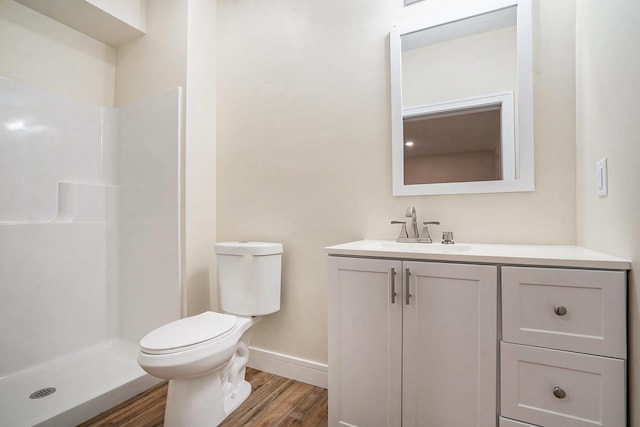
column 524, row 177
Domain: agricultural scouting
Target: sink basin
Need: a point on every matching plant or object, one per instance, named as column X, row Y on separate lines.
column 427, row 248
column 392, row 249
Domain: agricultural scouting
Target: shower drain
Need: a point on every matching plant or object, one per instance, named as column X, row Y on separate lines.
column 43, row 392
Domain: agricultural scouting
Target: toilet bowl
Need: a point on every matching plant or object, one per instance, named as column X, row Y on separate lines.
column 211, row 347
column 204, row 357
column 174, row 350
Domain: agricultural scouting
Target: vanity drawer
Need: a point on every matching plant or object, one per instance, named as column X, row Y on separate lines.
column 575, row 310
column 591, row 389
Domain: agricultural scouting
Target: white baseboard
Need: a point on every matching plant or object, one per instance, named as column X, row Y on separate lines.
column 291, row 367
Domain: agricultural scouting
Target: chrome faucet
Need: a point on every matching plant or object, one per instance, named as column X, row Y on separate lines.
column 413, row 231
column 410, row 234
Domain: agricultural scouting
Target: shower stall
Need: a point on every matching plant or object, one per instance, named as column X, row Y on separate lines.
column 89, row 249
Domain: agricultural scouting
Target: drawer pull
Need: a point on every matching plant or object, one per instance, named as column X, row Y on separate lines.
column 559, row 393
column 560, row 310
column 393, row 285
column 406, row 281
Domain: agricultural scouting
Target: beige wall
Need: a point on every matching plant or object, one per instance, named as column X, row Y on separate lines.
column 157, row 61
column 200, row 154
column 304, row 145
column 608, row 66
column 42, row 52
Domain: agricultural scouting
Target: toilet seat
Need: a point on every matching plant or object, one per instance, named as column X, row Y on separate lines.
column 188, row 333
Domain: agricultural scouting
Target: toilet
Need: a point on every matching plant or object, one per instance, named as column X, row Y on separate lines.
column 204, row 356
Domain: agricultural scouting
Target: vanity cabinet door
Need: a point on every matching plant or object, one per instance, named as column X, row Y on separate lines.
column 365, row 342
column 450, row 344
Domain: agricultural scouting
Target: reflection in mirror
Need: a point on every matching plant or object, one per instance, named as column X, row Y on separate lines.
column 461, row 102
column 470, row 140
column 472, row 151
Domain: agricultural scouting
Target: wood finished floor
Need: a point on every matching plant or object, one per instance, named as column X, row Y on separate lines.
column 274, row 401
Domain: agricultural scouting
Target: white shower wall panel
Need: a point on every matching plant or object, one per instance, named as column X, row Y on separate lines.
column 46, row 138
column 89, row 247
column 55, row 295
column 109, row 146
column 89, row 222
column 149, row 209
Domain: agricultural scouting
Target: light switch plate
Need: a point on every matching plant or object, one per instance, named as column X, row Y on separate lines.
column 602, row 184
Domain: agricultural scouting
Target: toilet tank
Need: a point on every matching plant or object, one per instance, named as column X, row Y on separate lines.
column 249, row 276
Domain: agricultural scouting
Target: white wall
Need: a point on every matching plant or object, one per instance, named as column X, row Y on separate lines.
column 304, row 145
column 37, row 50
column 608, row 66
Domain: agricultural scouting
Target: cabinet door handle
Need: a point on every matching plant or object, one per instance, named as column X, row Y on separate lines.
column 559, row 393
column 393, row 285
column 560, row 310
column 407, row 275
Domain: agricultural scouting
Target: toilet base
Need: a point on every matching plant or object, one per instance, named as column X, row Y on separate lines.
column 232, row 401
column 195, row 402
column 206, row 400
column 199, row 402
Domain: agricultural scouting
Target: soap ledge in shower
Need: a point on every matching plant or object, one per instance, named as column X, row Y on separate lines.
column 79, row 202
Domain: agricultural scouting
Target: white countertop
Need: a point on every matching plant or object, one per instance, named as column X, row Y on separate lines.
column 535, row 255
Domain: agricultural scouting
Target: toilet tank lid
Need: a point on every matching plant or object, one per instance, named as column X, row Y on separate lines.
column 248, row 248
column 188, row 331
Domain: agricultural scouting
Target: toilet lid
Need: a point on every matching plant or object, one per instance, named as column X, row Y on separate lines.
column 188, row 331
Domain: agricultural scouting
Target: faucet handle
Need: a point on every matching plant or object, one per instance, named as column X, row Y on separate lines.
column 403, row 230
column 447, row 238
column 426, row 237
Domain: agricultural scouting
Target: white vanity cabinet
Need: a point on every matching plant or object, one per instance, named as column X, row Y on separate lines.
column 412, row 343
column 423, row 334
column 563, row 347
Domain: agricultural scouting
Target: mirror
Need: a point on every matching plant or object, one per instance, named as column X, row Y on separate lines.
column 462, row 107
